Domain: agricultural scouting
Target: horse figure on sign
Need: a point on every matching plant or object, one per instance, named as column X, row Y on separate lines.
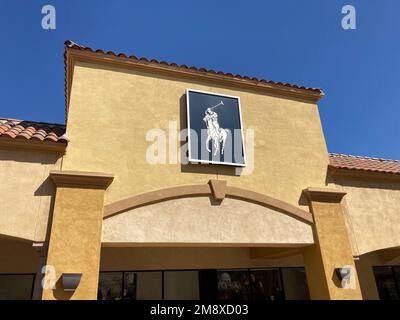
column 214, row 133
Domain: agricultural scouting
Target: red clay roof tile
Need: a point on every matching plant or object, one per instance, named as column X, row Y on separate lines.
column 31, row 130
column 72, row 45
column 342, row 161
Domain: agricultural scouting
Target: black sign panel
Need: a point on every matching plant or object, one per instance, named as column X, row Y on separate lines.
column 215, row 128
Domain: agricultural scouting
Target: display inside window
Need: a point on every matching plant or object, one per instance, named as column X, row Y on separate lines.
column 110, row 286
column 227, row 284
column 130, row 286
column 233, row 285
column 388, row 287
column 266, row 284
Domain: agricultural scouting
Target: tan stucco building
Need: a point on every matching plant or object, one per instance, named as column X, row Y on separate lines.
column 83, row 198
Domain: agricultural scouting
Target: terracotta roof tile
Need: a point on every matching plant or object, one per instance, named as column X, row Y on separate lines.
column 73, row 45
column 31, row 130
column 342, row 161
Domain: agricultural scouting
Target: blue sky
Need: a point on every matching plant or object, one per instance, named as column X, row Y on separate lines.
column 293, row 41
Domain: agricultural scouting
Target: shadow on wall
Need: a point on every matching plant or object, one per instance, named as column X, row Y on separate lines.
column 47, row 188
column 29, row 172
column 367, row 183
column 59, row 292
column 29, row 156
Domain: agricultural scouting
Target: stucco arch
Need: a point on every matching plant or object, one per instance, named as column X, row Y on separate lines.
column 206, row 214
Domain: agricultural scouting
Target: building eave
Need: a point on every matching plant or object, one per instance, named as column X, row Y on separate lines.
column 74, row 52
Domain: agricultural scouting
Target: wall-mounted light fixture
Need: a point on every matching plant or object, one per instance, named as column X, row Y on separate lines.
column 70, row 281
column 343, row 273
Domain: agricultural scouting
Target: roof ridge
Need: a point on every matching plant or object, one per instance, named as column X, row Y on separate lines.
column 73, row 45
column 332, row 154
column 32, row 121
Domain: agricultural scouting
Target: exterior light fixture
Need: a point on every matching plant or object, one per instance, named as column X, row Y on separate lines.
column 70, row 281
column 343, row 273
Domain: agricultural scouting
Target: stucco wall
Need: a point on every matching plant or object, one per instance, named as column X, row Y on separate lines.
column 111, row 110
column 26, row 192
column 76, row 239
column 198, row 221
column 372, row 213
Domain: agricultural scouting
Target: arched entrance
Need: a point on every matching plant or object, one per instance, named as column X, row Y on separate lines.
column 204, row 241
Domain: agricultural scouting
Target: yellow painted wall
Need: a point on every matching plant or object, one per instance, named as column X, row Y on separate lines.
column 26, row 192
column 75, row 240
column 332, row 250
column 372, row 213
column 111, row 110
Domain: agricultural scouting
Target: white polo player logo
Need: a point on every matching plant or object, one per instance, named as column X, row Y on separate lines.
column 214, row 133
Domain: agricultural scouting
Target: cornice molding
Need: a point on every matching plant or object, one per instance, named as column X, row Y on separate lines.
column 218, row 190
column 324, row 195
column 80, row 179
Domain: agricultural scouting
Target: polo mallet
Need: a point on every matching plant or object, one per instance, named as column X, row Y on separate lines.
column 221, row 103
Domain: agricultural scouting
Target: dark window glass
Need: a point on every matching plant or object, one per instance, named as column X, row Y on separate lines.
column 208, row 284
column 266, row 284
column 229, row 284
column 181, row 285
column 16, row 286
column 397, row 279
column 233, row 285
column 295, row 284
column 110, row 286
column 142, row 285
column 385, row 282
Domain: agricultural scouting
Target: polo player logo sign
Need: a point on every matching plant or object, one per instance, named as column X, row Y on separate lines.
column 215, row 130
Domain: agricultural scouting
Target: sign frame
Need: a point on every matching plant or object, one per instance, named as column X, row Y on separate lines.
column 191, row 160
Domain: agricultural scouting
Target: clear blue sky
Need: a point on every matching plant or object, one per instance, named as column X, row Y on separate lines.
column 293, row 41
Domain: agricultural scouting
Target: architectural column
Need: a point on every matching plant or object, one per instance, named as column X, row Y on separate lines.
column 331, row 250
column 75, row 235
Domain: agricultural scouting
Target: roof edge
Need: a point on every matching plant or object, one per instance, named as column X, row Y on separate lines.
column 333, row 154
column 74, row 52
column 29, row 145
column 364, row 174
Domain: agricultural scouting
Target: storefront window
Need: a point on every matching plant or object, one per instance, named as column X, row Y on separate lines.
column 266, row 284
column 110, row 286
column 142, row 285
column 229, row 284
column 181, row 285
column 233, row 285
column 295, row 284
column 130, row 286
column 386, row 283
column 16, row 286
